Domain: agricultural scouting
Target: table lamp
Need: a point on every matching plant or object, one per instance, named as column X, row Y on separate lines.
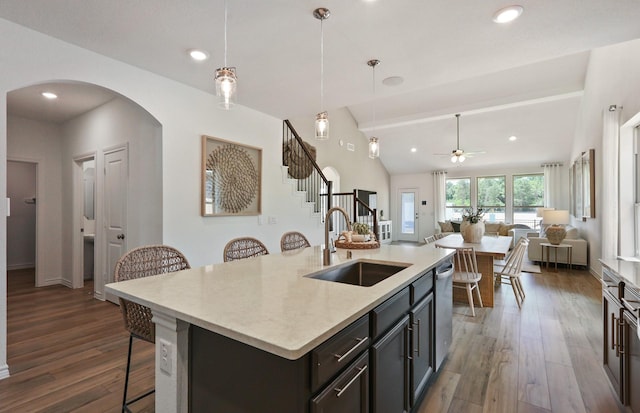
column 556, row 219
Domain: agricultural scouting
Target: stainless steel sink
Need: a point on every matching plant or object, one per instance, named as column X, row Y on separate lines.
column 362, row 273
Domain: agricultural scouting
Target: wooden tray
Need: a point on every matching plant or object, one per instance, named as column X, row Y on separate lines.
column 357, row 245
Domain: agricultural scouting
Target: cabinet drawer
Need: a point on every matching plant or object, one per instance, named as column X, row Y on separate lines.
column 421, row 287
column 386, row 314
column 334, row 354
column 349, row 393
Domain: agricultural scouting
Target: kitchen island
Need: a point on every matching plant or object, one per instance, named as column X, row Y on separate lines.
column 270, row 309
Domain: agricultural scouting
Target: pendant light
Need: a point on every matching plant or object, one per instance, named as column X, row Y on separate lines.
column 322, row 118
column 374, row 145
column 225, row 77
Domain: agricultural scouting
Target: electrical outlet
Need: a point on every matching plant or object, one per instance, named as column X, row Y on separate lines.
column 273, row 220
column 165, row 357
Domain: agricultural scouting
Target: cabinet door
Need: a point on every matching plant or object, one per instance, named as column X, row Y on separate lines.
column 611, row 312
column 422, row 329
column 390, row 370
column 349, row 393
column 632, row 363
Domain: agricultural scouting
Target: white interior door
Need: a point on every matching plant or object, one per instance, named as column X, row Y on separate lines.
column 116, row 176
column 408, row 215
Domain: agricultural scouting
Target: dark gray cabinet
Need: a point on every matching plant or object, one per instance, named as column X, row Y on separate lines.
column 380, row 363
column 422, row 343
column 349, row 393
column 631, row 362
column 390, row 370
column 611, row 312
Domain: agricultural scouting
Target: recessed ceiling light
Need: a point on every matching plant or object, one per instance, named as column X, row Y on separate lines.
column 393, row 81
column 198, row 55
column 49, row 95
column 513, row 138
column 508, row 14
column 414, row 150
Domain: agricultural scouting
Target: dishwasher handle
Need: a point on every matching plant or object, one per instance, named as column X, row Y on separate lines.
column 440, row 275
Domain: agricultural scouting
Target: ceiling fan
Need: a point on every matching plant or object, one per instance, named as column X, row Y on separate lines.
column 458, row 155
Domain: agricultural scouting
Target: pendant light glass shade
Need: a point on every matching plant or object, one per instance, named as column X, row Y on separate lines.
column 226, row 83
column 374, row 145
column 322, row 118
column 225, row 77
column 374, row 148
column 322, row 126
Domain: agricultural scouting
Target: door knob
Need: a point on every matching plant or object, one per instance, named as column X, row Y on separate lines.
column 120, row 236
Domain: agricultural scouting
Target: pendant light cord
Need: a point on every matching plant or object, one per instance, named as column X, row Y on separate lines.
column 374, row 95
column 321, row 65
column 225, row 33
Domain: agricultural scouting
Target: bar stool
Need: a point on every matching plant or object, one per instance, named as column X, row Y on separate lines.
column 138, row 263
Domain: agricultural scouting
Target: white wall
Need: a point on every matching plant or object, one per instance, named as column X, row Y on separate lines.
column 424, row 185
column 613, row 78
column 40, row 142
column 21, row 225
column 356, row 169
column 185, row 114
column 117, row 123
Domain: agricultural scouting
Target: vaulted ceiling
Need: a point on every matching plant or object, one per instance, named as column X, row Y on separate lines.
column 523, row 79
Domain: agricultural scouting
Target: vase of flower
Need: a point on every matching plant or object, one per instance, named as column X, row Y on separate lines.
column 472, row 226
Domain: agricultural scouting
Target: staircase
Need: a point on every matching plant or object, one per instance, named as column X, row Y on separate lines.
column 299, row 166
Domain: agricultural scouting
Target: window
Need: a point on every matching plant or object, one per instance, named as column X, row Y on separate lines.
column 528, row 194
column 458, row 198
column 492, row 197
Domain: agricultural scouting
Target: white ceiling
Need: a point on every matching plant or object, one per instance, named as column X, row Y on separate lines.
column 522, row 79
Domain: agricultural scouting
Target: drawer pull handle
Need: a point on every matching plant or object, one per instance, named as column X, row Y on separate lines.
column 360, row 341
column 613, row 331
column 418, row 335
column 342, row 390
column 629, row 305
column 617, row 338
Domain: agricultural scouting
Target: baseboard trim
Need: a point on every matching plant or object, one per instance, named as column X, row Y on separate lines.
column 4, row 371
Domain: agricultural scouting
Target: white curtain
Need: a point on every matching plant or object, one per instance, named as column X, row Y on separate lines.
column 553, row 186
column 610, row 162
column 439, row 197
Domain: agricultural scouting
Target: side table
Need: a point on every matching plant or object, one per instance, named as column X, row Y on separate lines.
column 546, row 246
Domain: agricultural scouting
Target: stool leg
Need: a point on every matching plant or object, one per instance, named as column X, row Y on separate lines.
column 126, row 377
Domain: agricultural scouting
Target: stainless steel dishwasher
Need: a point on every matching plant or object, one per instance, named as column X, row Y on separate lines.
column 444, row 310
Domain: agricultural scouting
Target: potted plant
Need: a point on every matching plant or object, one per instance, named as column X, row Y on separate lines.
column 361, row 232
column 472, row 227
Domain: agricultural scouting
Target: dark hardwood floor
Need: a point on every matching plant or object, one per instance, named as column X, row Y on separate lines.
column 67, row 352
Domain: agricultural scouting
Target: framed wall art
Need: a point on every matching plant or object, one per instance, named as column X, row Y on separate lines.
column 231, row 178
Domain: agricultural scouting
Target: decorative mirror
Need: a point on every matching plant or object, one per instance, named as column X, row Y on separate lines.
column 582, row 180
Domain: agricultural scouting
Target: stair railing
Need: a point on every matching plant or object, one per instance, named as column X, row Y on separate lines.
column 308, row 174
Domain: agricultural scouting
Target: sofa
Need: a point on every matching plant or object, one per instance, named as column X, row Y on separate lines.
column 579, row 250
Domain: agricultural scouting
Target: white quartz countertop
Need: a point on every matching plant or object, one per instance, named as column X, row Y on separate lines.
column 268, row 303
column 628, row 271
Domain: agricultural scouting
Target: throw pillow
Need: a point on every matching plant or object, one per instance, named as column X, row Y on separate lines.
column 572, row 232
column 504, row 229
column 456, row 226
column 492, row 226
column 445, row 226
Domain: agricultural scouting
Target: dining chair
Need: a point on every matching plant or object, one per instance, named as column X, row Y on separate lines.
column 244, row 247
column 510, row 272
column 430, row 239
column 466, row 274
column 293, row 240
column 138, row 263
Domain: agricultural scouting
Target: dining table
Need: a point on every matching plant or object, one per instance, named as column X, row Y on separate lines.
column 489, row 249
